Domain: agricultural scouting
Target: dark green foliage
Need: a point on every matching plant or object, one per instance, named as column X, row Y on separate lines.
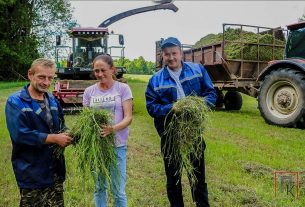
column 27, row 30
column 184, row 131
column 18, row 47
column 136, row 66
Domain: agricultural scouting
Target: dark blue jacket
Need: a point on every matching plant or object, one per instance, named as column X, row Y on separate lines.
column 33, row 161
column 161, row 91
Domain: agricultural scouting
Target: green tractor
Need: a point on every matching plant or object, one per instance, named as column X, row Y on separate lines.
column 281, row 96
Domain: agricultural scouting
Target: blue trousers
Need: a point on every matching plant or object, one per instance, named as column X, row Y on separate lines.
column 119, row 195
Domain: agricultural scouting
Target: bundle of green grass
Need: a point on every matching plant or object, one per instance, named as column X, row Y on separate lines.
column 184, row 130
column 93, row 152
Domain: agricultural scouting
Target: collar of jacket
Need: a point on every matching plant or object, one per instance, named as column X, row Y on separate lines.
column 166, row 73
column 25, row 95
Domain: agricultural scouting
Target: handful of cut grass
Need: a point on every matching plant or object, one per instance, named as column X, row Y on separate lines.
column 184, row 129
column 94, row 153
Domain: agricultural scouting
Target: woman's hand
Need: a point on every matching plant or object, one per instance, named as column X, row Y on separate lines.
column 127, row 108
column 106, row 130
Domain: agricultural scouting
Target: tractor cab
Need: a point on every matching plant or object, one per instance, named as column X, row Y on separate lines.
column 295, row 42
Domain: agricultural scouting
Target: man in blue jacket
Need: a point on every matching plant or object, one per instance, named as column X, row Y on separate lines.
column 35, row 122
column 174, row 81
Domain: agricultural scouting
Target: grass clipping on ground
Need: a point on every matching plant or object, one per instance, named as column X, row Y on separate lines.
column 184, row 130
column 94, row 153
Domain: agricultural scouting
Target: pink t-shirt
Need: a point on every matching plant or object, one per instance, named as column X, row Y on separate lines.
column 111, row 100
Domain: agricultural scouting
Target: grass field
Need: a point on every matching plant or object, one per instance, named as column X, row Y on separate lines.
column 242, row 153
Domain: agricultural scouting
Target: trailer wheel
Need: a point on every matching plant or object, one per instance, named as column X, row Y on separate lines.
column 281, row 98
column 233, row 100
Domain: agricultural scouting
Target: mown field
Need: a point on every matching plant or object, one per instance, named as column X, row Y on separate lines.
column 242, row 153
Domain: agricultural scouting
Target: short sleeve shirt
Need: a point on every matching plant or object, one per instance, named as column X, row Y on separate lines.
column 111, row 99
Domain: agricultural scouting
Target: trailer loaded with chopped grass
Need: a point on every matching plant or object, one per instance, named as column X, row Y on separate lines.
column 265, row 63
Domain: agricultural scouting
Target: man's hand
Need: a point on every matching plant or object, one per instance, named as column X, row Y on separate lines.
column 62, row 139
column 174, row 109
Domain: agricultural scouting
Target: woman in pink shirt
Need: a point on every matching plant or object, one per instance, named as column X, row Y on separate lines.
column 116, row 97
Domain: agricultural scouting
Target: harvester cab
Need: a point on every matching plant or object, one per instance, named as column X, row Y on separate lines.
column 74, row 64
column 87, row 43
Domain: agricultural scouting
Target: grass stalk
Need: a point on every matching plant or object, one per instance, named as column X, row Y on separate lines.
column 94, row 153
column 184, row 130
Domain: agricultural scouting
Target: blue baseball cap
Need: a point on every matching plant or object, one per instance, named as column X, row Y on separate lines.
column 170, row 42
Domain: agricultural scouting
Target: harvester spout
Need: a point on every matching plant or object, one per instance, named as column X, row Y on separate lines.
column 111, row 20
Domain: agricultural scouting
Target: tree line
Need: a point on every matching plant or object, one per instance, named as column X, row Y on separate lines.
column 27, row 31
column 136, row 66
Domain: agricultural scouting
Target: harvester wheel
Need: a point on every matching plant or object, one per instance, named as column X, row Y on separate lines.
column 281, row 98
column 233, row 100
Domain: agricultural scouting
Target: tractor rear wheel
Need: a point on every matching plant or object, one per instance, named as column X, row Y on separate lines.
column 281, row 98
column 233, row 100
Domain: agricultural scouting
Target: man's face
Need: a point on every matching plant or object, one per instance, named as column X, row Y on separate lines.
column 41, row 78
column 172, row 57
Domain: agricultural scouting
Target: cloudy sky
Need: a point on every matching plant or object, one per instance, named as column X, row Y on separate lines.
column 193, row 20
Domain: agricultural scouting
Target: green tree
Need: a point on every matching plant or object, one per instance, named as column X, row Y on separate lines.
column 140, row 65
column 151, row 67
column 136, row 66
column 27, row 28
column 17, row 45
column 121, row 62
column 52, row 17
column 131, row 68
